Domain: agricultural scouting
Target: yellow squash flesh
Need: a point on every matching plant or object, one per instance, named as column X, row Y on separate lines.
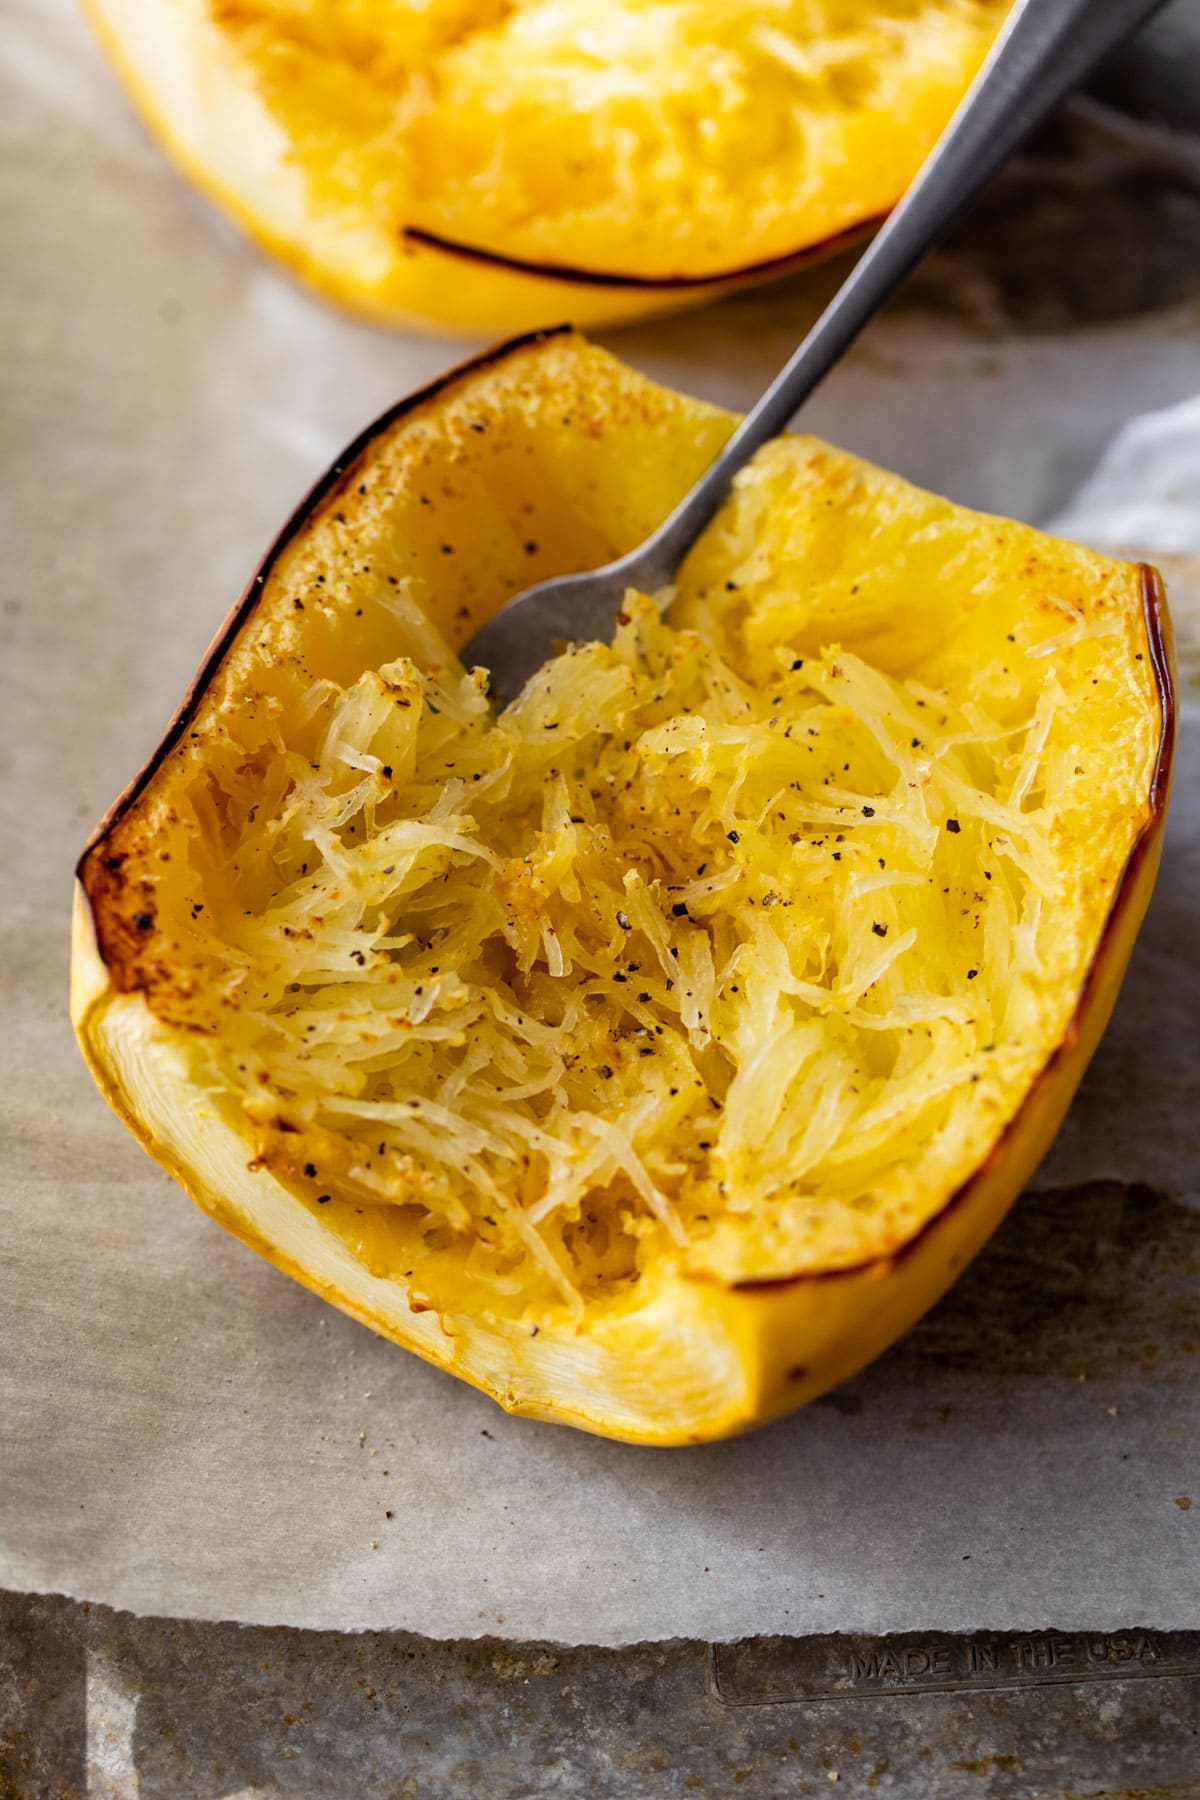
column 489, row 166
column 652, row 1056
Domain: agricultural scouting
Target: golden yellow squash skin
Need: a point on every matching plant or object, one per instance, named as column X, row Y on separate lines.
column 691, row 1357
column 479, row 168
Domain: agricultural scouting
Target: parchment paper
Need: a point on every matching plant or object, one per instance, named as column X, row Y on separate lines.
column 187, row 1432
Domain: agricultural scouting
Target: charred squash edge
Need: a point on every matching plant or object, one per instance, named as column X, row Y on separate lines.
column 335, row 478
column 789, row 262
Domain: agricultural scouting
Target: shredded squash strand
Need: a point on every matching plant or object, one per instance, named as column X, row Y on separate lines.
column 500, row 961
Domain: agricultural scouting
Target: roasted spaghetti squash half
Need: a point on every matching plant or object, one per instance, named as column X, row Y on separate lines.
column 652, row 1053
column 497, row 164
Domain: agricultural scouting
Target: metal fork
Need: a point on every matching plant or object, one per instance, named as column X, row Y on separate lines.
column 1044, row 50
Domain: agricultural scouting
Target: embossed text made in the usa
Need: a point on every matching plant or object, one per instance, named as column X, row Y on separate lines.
column 787, row 1671
column 987, row 1661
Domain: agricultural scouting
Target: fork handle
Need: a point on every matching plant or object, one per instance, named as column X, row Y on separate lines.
column 1044, row 49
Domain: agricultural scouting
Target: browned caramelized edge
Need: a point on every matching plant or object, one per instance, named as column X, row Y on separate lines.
column 789, row 263
column 326, row 487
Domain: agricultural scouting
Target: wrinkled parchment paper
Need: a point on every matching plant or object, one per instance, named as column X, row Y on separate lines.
column 187, row 1432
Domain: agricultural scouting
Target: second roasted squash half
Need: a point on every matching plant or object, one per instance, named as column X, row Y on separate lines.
column 492, row 165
